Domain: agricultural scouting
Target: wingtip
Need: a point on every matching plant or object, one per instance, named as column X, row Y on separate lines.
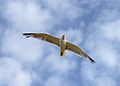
column 93, row 62
column 27, row 34
column 90, row 59
column 23, row 33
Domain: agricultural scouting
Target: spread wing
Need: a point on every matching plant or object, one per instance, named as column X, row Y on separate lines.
column 43, row 36
column 78, row 50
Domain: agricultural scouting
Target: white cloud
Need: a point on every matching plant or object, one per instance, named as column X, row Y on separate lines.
column 53, row 81
column 90, row 4
column 27, row 16
column 60, row 64
column 97, row 75
column 105, row 80
column 64, row 9
column 30, row 16
column 105, row 32
column 104, row 53
column 112, row 30
column 108, row 15
column 12, row 73
column 58, row 81
column 16, row 45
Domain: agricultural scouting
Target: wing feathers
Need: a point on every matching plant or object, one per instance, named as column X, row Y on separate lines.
column 78, row 50
column 43, row 36
column 89, row 58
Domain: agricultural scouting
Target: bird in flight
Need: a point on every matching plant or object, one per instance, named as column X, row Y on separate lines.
column 60, row 42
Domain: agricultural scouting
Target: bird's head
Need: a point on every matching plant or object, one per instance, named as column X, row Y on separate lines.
column 63, row 37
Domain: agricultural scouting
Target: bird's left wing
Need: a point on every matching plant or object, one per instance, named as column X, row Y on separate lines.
column 43, row 36
column 78, row 50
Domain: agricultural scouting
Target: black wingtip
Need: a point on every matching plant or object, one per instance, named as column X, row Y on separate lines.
column 27, row 34
column 92, row 61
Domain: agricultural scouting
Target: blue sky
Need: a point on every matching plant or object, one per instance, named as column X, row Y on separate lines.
column 91, row 24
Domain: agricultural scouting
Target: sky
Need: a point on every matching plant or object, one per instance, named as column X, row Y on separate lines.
column 91, row 24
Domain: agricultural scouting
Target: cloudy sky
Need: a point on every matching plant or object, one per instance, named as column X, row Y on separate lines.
column 92, row 24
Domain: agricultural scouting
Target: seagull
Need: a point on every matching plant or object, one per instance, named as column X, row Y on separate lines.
column 62, row 43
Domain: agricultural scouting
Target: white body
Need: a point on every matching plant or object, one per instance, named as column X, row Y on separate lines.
column 62, row 44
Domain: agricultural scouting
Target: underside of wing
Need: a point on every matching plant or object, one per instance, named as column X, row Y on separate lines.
column 43, row 36
column 78, row 50
column 74, row 48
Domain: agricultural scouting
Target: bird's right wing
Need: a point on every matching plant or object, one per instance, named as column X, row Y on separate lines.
column 43, row 36
column 78, row 50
